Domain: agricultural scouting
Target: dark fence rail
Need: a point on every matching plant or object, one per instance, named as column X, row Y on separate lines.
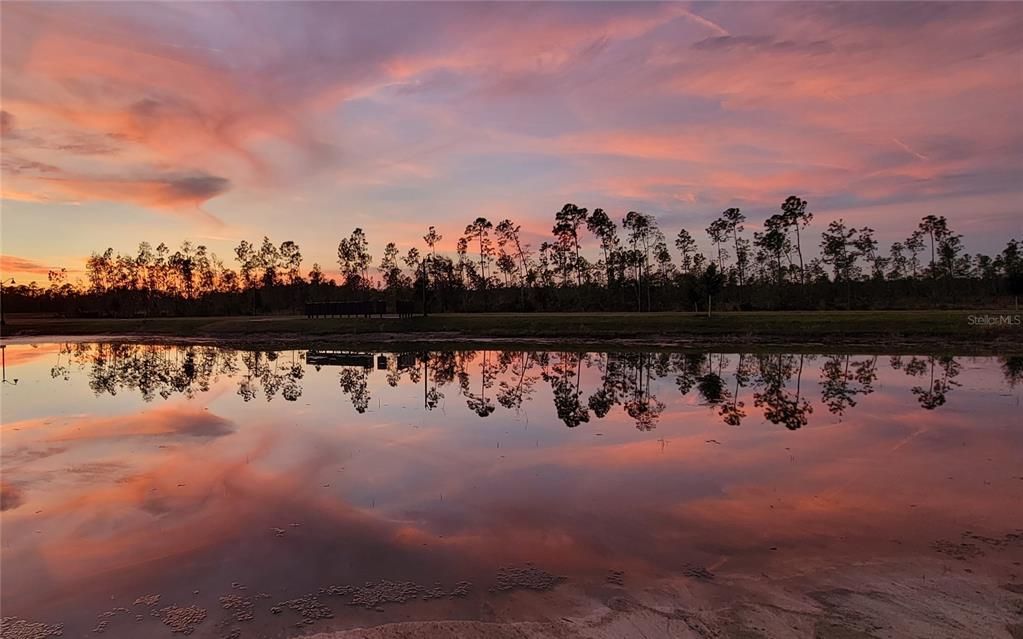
column 345, row 309
column 406, row 309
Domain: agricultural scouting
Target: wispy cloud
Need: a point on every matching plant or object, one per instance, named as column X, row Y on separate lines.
column 448, row 109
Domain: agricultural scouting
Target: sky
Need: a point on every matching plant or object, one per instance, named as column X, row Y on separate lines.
column 125, row 122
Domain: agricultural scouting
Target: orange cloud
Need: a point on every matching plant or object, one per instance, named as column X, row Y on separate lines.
column 12, row 264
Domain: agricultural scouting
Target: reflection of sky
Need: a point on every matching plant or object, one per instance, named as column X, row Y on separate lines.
column 109, row 487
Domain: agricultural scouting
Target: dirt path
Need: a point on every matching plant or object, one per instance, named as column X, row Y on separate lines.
column 980, row 598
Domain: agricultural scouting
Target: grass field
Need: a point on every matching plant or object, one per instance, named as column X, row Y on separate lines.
column 879, row 328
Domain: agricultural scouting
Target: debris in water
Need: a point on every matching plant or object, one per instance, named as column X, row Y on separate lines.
column 308, row 606
column 241, row 607
column 183, row 620
column 1008, row 539
column 17, row 628
column 384, row 591
column 374, row 594
column 527, row 577
column 105, row 617
column 697, row 572
column 147, row 600
column 616, row 577
column 461, row 589
column 961, row 551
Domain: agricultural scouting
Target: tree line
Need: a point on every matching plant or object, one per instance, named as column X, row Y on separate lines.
column 628, row 265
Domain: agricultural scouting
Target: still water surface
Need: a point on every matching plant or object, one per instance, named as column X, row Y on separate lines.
column 241, row 482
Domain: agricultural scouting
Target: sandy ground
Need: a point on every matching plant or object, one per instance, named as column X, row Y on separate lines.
column 980, row 597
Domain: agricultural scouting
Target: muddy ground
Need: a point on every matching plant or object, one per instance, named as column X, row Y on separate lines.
column 942, row 596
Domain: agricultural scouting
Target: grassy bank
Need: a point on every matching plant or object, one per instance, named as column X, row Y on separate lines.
column 880, row 329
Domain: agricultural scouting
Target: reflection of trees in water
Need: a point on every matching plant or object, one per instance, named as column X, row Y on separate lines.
column 733, row 410
column 354, row 383
column 1012, row 369
column 164, row 371
column 263, row 369
column 689, row 367
column 940, row 372
column 478, row 403
column 626, row 381
column 153, row 370
column 510, row 378
column 609, row 394
column 431, row 395
column 628, row 378
column 842, row 379
column 564, row 374
column 643, row 406
column 513, row 392
column 781, row 406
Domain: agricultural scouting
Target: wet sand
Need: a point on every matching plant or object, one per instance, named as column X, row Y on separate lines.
column 966, row 587
column 980, row 597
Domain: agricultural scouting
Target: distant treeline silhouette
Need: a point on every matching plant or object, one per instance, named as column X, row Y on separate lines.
column 494, row 269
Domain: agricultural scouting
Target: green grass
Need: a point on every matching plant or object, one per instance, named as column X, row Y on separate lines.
column 880, row 328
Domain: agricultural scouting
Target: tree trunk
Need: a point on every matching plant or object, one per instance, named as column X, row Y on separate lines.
column 799, row 252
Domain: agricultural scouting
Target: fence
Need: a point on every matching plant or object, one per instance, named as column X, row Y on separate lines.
column 345, row 309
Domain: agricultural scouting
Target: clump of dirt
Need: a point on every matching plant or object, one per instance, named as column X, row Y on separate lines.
column 183, row 620
column 527, row 577
column 103, row 619
column 373, row 595
column 433, row 592
column 697, row 572
column 17, row 628
column 241, row 607
column 437, row 591
column 960, row 551
column 461, row 589
column 1008, row 539
column 615, row 577
column 147, row 600
column 309, row 607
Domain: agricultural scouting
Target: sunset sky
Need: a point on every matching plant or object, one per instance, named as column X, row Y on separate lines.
column 132, row 121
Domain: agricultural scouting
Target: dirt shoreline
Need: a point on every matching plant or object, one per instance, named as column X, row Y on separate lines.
column 440, row 341
column 925, row 332
column 914, row 597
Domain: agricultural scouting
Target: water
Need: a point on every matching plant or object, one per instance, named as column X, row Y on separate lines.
column 198, row 473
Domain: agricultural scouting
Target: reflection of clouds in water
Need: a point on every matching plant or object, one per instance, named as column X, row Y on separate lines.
column 402, row 486
column 10, row 496
column 27, row 454
column 162, row 421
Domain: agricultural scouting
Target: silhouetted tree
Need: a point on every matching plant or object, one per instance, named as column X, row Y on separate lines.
column 567, row 222
column 354, row 258
column 795, row 216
